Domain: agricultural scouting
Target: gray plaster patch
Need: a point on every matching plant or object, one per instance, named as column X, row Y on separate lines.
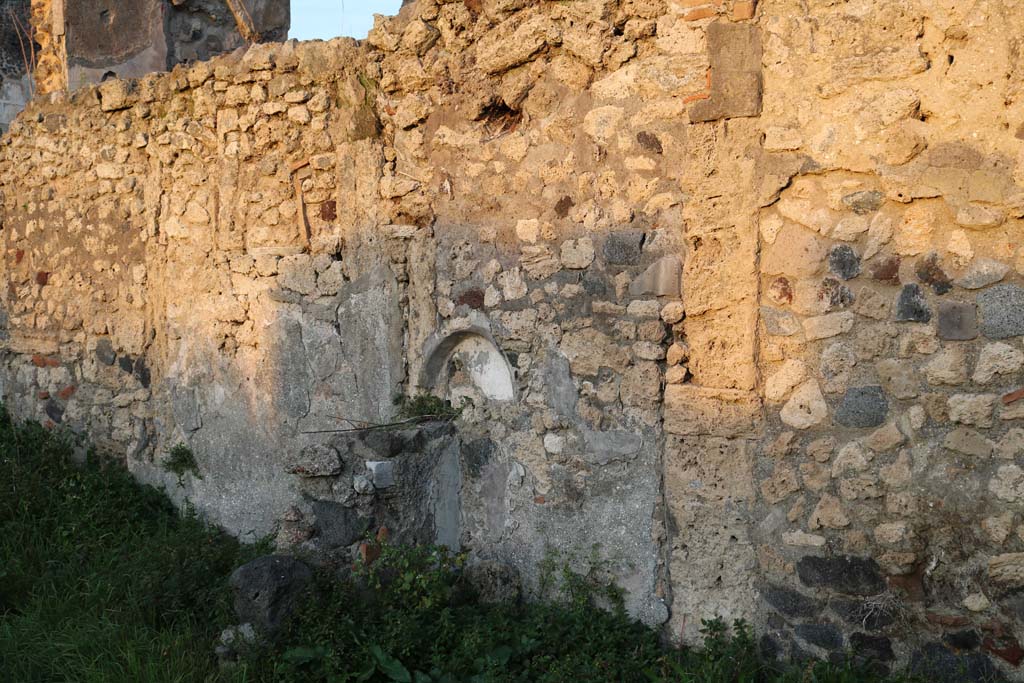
column 662, row 278
column 605, row 447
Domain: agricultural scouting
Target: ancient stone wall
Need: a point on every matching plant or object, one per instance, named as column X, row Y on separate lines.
column 87, row 41
column 736, row 293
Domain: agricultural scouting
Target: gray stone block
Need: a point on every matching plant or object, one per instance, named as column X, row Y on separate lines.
column 623, row 248
column 912, row 306
column 844, row 262
column 1002, row 311
column 862, row 407
column 381, row 473
column 267, row 590
column 105, row 352
column 957, row 321
column 844, row 574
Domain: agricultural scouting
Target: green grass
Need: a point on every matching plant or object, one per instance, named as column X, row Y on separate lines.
column 103, row 580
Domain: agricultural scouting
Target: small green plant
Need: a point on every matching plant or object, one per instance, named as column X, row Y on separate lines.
column 427, row 406
column 181, row 461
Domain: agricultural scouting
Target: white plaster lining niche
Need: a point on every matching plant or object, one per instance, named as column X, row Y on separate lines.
column 467, row 362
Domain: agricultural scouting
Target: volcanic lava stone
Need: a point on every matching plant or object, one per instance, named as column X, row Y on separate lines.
column 968, row 639
column 844, row 262
column 1002, row 311
column 873, row 647
column 862, row 407
column 835, row 294
column 911, row 306
column 824, row 636
column 886, row 269
column 790, row 602
column 844, row 574
column 54, row 411
column 937, row 664
column 857, row 613
column 957, row 321
column 930, row 273
column 623, row 248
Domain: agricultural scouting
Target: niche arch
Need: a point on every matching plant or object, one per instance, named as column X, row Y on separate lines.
column 467, row 362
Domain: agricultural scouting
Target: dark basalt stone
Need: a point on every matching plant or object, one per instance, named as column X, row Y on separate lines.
column 835, row 294
column 825, row 636
column 141, row 372
column 563, row 205
column 844, row 574
column 872, row 647
column 939, row 665
column 929, row 272
column 911, row 306
column 337, row 526
column 968, row 639
column 267, row 590
column 857, row 613
column 126, row 363
column 844, row 262
column 862, row 407
column 790, row 602
column 649, row 141
column 623, row 248
column 54, row 411
column 105, row 352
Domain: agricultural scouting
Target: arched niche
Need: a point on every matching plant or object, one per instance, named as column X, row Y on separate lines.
column 467, row 362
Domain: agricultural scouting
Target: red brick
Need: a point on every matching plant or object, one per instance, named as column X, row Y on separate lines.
column 1013, row 396
column 39, row 361
column 43, row 395
column 42, row 277
column 1007, row 649
column 743, row 9
column 67, row 392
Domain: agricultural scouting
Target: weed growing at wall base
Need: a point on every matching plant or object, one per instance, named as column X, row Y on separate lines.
column 103, row 580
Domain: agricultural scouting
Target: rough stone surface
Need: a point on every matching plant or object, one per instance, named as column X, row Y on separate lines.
column 862, row 407
column 844, row 574
column 576, row 222
column 911, row 306
column 844, row 262
column 267, row 591
column 957, row 321
column 1001, row 309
